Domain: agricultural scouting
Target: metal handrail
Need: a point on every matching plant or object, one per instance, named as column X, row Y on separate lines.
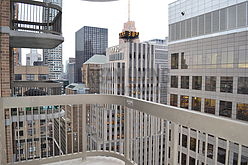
column 225, row 128
column 34, row 16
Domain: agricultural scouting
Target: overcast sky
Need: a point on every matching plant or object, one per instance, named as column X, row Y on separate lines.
column 151, row 17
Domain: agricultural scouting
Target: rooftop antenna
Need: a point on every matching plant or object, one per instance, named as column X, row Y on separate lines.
column 129, row 10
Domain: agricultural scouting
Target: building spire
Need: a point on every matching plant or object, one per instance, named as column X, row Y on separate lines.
column 129, row 11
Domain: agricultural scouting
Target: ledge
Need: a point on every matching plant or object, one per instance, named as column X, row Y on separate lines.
column 19, row 39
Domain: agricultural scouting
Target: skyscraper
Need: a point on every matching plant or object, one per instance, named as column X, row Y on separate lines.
column 70, row 69
column 208, row 71
column 53, row 57
column 138, row 70
column 89, row 41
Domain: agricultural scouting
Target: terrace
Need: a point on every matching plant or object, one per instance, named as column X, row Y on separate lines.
column 69, row 134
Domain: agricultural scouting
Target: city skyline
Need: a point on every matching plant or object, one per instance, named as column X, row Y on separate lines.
column 113, row 19
column 177, row 101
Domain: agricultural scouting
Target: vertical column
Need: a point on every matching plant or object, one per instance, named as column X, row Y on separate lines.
column 174, row 139
column 127, row 136
column 84, row 133
column 3, row 159
column 5, row 74
column 4, row 47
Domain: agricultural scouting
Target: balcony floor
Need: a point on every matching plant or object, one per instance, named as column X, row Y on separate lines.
column 99, row 160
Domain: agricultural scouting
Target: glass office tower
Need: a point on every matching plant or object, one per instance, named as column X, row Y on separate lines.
column 89, row 41
column 209, row 70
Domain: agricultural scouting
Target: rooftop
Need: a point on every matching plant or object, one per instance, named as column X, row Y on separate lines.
column 97, row 59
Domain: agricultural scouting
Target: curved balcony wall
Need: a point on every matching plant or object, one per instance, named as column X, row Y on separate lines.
column 151, row 131
column 35, row 24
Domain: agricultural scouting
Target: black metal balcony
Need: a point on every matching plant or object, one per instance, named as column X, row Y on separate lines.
column 35, row 24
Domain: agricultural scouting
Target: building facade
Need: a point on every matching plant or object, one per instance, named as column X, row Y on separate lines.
column 70, row 69
column 137, row 70
column 34, row 79
column 31, row 73
column 53, row 58
column 89, row 41
column 91, row 70
column 32, row 57
column 208, row 71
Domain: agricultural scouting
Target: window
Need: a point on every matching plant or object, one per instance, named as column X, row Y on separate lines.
column 226, row 84
column 232, row 17
column 242, row 111
column 223, row 19
column 185, row 82
column 18, row 77
column 184, row 61
column 203, row 148
column 188, row 27
column 196, row 103
column 184, row 102
column 42, row 77
column 208, row 25
column 30, row 77
column 221, row 155
column 174, row 81
column 174, row 61
column 210, row 151
column 210, row 83
column 201, row 24
column 184, row 140
column 191, row 160
column 173, row 100
column 209, row 106
column 197, row 82
column 243, row 85
column 241, row 12
column 21, row 124
column 225, row 109
column 194, row 26
column 20, row 133
column 216, row 20
column 192, row 144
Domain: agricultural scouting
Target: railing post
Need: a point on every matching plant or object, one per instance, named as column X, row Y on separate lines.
column 127, row 136
column 3, row 156
column 84, row 132
column 174, row 143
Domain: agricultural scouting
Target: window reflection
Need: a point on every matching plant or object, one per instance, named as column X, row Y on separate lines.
column 185, row 82
column 184, row 102
column 221, row 155
column 210, row 83
column 196, row 103
column 225, row 109
column 174, row 61
column 197, row 82
column 242, row 111
column 184, row 61
column 243, row 85
column 209, row 106
column 173, row 100
column 226, row 84
column 174, row 81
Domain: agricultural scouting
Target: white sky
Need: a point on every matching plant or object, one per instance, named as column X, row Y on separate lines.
column 151, row 17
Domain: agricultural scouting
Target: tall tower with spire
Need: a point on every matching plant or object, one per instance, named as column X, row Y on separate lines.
column 129, row 29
